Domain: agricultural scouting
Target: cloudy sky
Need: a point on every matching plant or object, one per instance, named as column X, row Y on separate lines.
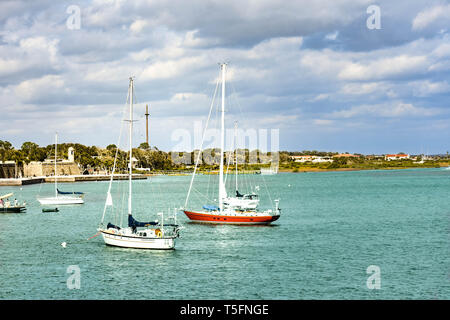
column 323, row 73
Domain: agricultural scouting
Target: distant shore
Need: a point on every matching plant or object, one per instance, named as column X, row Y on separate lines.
column 64, row 179
column 140, row 176
column 310, row 169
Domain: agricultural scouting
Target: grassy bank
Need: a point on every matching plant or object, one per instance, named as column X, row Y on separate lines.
column 359, row 165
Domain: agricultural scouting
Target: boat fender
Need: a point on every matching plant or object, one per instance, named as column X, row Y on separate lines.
column 158, row 233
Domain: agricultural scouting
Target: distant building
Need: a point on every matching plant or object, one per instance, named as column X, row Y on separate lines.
column 302, row 158
column 314, row 159
column 401, row 156
column 374, row 157
column 345, row 155
column 134, row 162
column 71, row 154
column 47, row 167
column 322, row 159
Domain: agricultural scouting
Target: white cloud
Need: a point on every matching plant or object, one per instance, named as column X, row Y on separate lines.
column 323, row 122
column 138, row 25
column 426, row 88
column 442, row 50
column 387, row 110
column 332, row 36
column 9, row 66
column 33, row 89
column 170, row 68
column 319, row 97
column 384, row 68
column 276, row 120
column 363, row 88
column 31, row 55
column 428, row 16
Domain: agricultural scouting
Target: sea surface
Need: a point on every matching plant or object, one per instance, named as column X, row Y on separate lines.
column 334, row 225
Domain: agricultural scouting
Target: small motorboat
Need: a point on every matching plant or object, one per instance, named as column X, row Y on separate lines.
column 50, row 210
column 7, row 207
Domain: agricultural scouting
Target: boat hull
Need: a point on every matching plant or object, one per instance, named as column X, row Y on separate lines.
column 135, row 242
column 240, row 219
column 18, row 209
column 61, row 200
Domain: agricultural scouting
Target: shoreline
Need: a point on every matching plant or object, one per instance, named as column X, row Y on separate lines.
column 87, row 178
column 66, row 179
column 298, row 170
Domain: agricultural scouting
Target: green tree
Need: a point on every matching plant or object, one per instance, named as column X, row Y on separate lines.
column 144, row 146
column 5, row 150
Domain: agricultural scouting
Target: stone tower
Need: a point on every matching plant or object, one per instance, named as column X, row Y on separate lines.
column 71, row 154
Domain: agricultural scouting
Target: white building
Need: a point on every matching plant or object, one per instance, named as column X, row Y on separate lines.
column 313, row 159
column 401, row 156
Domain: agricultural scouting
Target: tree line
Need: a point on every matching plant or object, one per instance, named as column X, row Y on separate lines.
column 96, row 158
column 145, row 156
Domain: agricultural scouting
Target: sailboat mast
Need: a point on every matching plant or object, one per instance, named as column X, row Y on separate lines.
column 222, row 141
column 235, row 153
column 56, row 151
column 131, row 146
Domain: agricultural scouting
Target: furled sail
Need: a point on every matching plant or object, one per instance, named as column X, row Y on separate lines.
column 132, row 223
column 109, row 201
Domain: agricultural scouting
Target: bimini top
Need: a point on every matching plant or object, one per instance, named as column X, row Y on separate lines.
column 210, row 207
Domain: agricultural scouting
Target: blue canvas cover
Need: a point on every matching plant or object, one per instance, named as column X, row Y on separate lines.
column 132, row 223
column 63, row 192
column 210, row 207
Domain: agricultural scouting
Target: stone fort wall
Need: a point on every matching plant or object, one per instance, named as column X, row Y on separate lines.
column 9, row 170
column 36, row 169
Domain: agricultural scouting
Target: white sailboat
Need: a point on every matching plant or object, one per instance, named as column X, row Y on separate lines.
column 227, row 214
column 138, row 235
column 60, row 198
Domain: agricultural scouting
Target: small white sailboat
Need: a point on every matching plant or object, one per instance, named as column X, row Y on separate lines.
column 61, row 198
column 138, row 235
column 227, row 213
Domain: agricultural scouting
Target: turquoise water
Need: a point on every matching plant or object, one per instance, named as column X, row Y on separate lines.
column 333, row 226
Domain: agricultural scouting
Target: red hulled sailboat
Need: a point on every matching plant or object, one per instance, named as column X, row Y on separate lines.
column 228, row 212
